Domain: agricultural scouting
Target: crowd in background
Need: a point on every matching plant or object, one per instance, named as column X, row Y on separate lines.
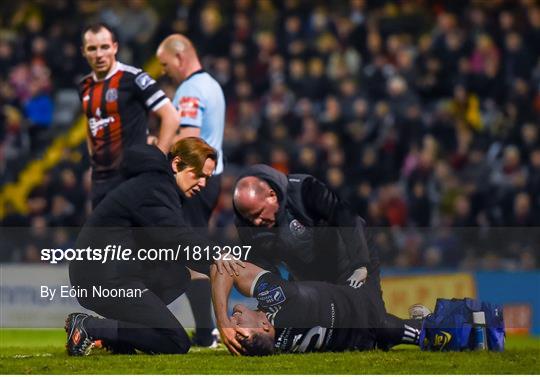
column 423, row 115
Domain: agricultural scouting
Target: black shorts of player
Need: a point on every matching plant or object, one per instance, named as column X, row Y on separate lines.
column 101, row 186
column 199, row 208
column 138, row 323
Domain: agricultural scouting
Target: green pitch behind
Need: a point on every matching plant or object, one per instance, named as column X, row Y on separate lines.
column 42, row 352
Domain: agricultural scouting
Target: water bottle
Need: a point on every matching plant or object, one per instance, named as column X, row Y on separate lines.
column 479, row 331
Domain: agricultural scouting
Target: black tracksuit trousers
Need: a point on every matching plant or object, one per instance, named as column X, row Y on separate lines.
column 140, row 323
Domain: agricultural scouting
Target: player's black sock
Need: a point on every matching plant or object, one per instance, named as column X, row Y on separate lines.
column 398, row 331
column 411, row 331
column 199, row 295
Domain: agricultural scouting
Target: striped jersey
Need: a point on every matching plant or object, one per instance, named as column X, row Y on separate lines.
column 117, row 111
column 201, row 103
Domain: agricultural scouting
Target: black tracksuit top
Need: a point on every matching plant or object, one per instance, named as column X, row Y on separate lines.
column 144, row 211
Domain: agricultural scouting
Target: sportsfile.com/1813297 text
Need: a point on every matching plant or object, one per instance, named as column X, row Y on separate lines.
column 118, row 253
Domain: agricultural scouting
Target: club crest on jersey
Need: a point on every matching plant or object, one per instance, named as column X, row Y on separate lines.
column 297, row 228
column 111, row 95
column 144, row 81
column 271, row 297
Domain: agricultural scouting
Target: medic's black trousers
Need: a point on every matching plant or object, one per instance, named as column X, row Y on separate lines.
column 136, row 323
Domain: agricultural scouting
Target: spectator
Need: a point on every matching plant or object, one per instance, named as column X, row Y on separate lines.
column 508, row 177
column 436, row 112
column 39, row 111
column 522, row 214
column 517, row 61
column 533, row 180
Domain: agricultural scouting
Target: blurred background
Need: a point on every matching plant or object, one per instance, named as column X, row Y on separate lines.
column 422, row 114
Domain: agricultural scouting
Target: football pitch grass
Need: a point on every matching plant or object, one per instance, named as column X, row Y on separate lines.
column 42, row 352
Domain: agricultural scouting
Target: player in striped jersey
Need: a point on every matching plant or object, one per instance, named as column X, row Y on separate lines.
column 116, row 99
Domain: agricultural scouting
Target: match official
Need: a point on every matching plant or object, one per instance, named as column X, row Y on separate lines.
column 200, row 103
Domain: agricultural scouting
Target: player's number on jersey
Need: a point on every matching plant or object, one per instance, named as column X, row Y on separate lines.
column 308, row 338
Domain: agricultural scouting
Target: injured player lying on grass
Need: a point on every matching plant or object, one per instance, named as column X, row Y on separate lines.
column 306, row 316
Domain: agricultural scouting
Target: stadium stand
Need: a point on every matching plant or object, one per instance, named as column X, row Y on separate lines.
column 423, row 115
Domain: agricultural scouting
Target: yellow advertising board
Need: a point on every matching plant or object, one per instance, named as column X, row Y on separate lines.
column 401, row 292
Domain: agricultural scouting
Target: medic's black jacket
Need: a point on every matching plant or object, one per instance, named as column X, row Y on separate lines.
column 316, row 235
column 143, row 211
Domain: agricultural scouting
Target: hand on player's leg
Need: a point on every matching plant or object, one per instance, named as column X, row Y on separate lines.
column 358, row 277
column 229, row 266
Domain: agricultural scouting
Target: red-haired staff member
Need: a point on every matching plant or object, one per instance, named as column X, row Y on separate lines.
column 201, row 105
column 143, row 212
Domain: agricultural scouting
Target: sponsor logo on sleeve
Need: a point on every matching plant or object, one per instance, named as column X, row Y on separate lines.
column 144, row 81
column 271, row 297
column 189, row 107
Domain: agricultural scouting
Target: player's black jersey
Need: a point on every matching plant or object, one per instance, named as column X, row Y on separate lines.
column 117, row 111
column 318, row 316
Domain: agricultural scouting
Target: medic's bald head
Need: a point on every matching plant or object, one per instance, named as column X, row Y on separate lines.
column 256, row 201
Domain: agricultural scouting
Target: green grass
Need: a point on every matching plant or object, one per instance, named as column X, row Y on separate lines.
column 42, row 352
